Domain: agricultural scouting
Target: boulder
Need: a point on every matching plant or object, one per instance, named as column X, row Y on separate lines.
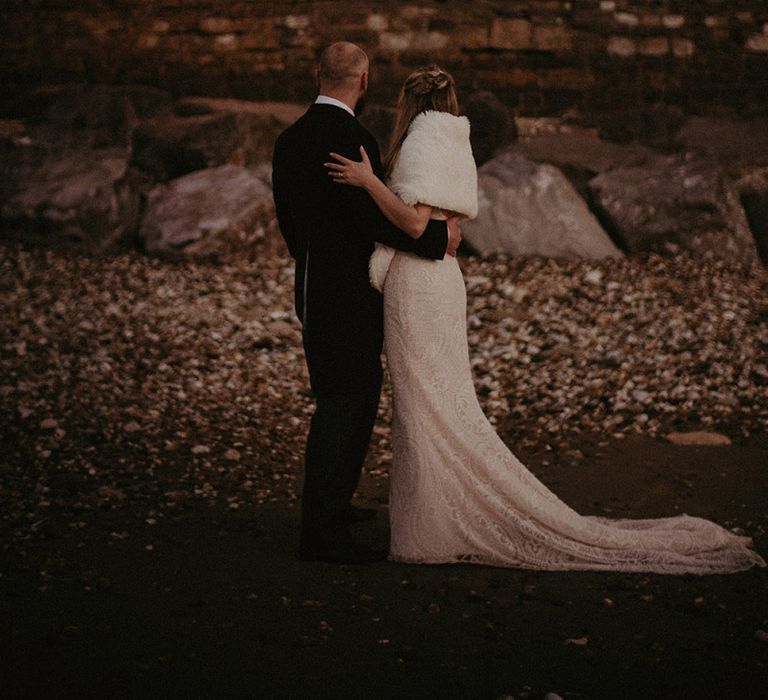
column 84, row 105
column 211, row 213
column 669, row 204
column 171, row 146
column 528, row 208
column 207, row 132
column 579, row 152
column 263, row 171
column 32, row 104
column 93, row 116
column 87, row 198
column 259, row 123
column 20, row 156
column 752, row 186
column 579, row 148
column 727, row 139
column 281, row 114
column 492, row 125
column 380, row 121
column 656, row 126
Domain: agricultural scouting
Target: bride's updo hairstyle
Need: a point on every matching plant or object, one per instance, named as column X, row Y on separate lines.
column 428, row 88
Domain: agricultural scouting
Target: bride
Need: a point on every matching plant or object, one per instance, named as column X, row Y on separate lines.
column 457, row 493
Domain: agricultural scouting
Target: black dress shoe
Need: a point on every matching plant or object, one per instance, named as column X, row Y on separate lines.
column 358, row 515
column 343, row 554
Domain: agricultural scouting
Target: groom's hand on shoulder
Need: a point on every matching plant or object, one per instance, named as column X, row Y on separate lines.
column 454, row 235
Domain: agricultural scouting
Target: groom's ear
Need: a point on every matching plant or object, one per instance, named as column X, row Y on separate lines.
column 364, row 82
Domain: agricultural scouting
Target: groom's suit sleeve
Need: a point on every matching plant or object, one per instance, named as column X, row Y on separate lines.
column 431, row 244
column 281, row 195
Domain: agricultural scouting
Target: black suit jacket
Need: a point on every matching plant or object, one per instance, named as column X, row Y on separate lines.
column 330, row 230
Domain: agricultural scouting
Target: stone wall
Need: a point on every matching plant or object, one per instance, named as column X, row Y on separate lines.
column 541, row 57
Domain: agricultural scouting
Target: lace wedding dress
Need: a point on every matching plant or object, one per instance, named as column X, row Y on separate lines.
column 457, row 493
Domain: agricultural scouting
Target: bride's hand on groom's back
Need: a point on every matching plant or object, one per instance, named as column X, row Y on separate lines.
column 454, row 235
column 351, row 172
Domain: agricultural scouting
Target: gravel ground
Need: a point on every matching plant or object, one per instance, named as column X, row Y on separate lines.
column 137, row 395
column 120, row 368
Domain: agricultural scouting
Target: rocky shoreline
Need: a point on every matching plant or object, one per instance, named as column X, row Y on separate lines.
column 104, row 168
column 130, row 362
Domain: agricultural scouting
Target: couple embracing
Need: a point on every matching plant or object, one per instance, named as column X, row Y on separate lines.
column 375, row 246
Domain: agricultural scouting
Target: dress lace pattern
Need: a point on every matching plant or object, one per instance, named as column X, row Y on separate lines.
column 458, row 494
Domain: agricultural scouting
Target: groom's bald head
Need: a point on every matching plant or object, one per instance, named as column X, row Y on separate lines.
column 341, row 66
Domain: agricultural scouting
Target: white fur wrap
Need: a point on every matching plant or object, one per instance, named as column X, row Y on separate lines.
column 435, row 166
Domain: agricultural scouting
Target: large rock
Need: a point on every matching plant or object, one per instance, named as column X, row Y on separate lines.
column 207, row 132
column 492, row 125
column 261, row 122
column 752, row 186
column 657, row 126
column 20, row 156
column 210, row 213
column 579, row 152
column 277, row 114
column 727, row 139
column 105, row 105
column 528, row 208
column 579, row 148
column 669, row 204
column 170, row 146
column 87, row 198
column 90, row 116
column 380, row 121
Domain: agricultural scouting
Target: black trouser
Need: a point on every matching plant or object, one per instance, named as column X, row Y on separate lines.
column 338, row 440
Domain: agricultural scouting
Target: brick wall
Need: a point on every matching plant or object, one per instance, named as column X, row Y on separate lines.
column 540, row 56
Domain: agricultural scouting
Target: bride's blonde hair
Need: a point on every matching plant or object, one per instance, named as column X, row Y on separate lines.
column 428, row 88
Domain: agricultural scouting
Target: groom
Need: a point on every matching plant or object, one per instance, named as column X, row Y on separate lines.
column 330, row 230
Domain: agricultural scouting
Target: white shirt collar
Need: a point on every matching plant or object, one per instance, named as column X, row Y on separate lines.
column 325, row 100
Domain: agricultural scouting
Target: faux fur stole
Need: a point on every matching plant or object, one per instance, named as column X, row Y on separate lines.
column 435, row 164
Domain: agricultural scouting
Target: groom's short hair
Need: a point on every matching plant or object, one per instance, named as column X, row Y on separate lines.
column 341, row 63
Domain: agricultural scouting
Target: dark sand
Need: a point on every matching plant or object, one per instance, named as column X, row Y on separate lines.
column 220, row 607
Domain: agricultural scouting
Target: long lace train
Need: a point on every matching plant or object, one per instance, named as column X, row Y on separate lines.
column 458, row 494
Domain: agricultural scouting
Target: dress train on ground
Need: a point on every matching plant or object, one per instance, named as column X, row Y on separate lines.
column 458, row 494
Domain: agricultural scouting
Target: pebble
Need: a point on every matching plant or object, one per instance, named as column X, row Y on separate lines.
column 594, row 277
column 578, row 641
column 698, row 438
